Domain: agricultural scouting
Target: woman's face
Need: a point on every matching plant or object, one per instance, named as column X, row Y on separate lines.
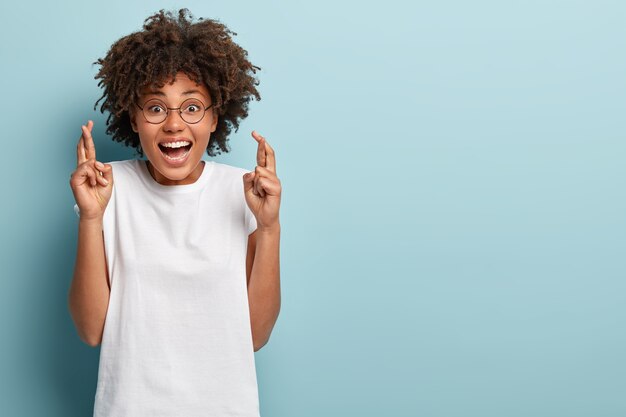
column 171, row 165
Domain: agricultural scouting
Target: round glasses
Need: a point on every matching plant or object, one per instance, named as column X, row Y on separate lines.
column 191, row 110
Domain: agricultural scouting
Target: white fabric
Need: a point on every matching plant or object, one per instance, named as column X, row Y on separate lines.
column 177, row 339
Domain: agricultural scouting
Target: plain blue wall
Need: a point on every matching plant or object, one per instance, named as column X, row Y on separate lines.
column 453, row 229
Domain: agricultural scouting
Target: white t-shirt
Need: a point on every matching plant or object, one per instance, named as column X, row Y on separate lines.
column 177, row 338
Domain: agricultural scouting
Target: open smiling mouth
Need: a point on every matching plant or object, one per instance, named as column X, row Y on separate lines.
column 175, row 151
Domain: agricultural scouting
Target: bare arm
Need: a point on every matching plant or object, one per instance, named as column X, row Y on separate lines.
column 263, row 283
column 89, row 292
column 92, row 185
column 262, row 190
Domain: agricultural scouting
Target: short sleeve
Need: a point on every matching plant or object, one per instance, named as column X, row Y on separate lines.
column 250, row 220
column 77, row 210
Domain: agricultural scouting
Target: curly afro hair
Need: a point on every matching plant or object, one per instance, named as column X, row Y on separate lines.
column 203, row 50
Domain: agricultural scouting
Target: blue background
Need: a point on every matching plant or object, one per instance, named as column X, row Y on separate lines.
column 453, row 231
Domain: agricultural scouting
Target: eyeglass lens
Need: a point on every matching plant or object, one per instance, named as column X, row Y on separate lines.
column 191, row 110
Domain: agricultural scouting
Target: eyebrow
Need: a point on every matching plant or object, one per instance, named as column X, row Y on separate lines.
column 185, row 93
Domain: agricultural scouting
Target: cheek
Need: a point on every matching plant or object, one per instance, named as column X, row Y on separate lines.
column 145, row 138
column 202, row 134
column 146, row 131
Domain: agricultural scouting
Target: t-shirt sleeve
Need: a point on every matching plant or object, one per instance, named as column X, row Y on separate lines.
column 77, row 210
column 250, row 219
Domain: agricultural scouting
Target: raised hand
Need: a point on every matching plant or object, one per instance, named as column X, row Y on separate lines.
column 262, row 187
column 92, row 181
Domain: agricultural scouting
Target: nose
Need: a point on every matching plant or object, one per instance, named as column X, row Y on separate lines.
column 173, row 122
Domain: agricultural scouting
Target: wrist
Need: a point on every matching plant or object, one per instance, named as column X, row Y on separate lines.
column 90, row 221
column 269, row 229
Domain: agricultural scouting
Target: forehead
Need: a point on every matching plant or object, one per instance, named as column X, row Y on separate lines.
column 181, row 85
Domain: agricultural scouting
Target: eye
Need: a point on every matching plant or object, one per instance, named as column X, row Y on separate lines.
column 192, row 108
column 155, row 108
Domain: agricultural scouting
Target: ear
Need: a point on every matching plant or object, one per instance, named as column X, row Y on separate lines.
column 215, row 119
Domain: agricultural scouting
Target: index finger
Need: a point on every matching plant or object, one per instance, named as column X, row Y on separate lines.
column 260, row 150
column 270, row 157
column 80, row 152
column 265, row 155
column 90, row 147
column 81, row 155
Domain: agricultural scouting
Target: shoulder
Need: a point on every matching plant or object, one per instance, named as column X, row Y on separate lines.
column 126, row 163
column 229, row 180
column 126, row 166
column 227, row 171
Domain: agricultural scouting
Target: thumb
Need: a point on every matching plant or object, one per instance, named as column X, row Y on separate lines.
column 248, row 182
column 107, row 173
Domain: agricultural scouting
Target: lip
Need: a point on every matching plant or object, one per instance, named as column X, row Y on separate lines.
column 178, row 162
column 179, row 139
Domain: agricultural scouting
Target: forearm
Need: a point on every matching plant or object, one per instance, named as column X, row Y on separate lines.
column 264, row 286
column 89, row 292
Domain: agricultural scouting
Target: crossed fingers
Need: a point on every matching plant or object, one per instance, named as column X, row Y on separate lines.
column 86, row 148
column 86, row 151
column 266, row 163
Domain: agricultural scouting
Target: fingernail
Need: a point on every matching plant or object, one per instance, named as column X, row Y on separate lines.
column 99, row 165
column 105, row 181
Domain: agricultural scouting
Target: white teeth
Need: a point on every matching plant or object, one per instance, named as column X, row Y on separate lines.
column 175, row 144
column 183, row 156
